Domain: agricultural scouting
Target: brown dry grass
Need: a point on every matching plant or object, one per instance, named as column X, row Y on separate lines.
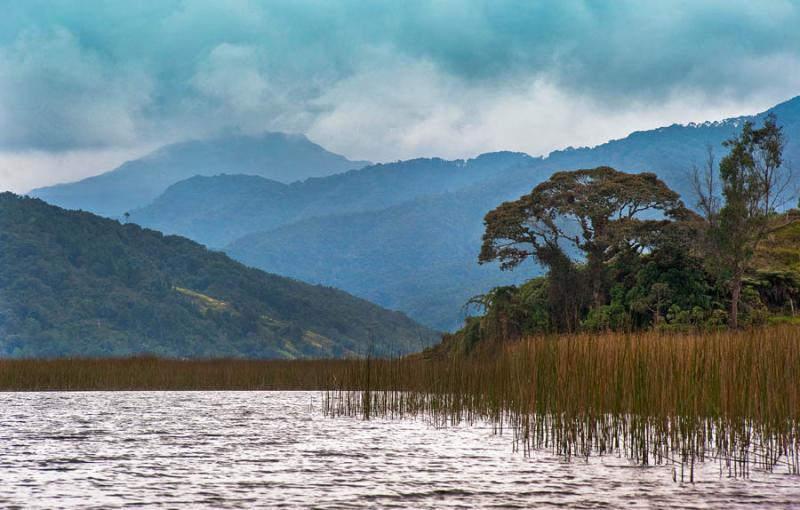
column 149, row 373
column 654, row 398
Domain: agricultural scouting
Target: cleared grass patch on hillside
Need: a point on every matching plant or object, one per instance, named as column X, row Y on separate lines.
column 203, row 301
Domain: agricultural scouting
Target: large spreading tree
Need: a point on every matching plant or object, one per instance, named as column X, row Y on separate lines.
column 593, row 213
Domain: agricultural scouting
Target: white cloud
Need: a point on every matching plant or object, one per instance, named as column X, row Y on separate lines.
column 59, row 95
column 22, row 171
column 400, row 108
column 379, row 82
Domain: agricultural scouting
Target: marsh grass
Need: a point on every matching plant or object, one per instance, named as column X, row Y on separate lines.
column 150, row 373
column 654, row 398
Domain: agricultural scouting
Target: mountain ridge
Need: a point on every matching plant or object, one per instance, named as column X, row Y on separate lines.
column 225, row 215
column 137, row 182
column 430, row 196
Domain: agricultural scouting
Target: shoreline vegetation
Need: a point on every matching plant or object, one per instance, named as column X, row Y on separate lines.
column 652, row 397
column 624, row 252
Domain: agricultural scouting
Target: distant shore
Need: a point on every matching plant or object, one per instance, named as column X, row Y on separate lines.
column 147, row 373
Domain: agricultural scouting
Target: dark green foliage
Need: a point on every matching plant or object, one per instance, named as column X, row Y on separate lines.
column 779, row 290
column 635, row 273
column 72, row 283
column 668, row 281
column 665, row 289
column 510, row 313
column 753, row 178
column 598, row 212
column 677, row 271
column 602, row 215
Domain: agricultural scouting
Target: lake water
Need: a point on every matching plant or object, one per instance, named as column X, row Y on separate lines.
column 277, row 449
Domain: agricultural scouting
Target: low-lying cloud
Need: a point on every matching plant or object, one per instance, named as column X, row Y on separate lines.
column 372, row 80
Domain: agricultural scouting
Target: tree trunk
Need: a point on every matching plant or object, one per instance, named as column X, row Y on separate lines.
column 736, row 293
column 596, row 269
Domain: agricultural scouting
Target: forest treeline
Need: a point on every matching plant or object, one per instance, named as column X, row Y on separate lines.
column 624, row 252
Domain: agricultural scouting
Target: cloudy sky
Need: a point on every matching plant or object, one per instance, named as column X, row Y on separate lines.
column 85, row 85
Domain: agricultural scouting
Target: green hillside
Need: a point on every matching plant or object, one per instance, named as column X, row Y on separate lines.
column 781, row 250
column 394, row 257
column 74, row 284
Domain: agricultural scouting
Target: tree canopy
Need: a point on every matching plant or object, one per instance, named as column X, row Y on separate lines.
column 622, row 251
column 754, row 182
column 598, row 212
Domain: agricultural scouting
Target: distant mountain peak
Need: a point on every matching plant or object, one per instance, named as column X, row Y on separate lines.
column 278, row 156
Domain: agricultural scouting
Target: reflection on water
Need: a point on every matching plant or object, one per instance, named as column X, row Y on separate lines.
column 269, row 449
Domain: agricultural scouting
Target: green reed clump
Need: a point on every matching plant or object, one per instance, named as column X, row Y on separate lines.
column 655, row 398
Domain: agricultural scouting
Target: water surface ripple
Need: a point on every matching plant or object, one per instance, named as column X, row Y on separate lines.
column 278, row 450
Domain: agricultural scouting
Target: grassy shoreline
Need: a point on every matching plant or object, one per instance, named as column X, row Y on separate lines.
column 651, row 397
column 146, row 373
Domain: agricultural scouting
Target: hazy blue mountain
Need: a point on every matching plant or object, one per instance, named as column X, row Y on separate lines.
column 421, row 256
column 217, row 210
column 136, row 183
column 76, row 284
column 671, row 151
column 418, row 256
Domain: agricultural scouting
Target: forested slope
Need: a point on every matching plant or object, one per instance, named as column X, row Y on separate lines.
column 74, row 284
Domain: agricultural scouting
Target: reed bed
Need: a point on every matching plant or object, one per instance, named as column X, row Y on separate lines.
column 652, row 398
column 150, row 373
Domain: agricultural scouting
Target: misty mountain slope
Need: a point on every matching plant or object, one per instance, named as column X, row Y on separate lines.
column 75, row 284
column 136, row 183
column 421, row 257
column 671, row 151
column 217, row 210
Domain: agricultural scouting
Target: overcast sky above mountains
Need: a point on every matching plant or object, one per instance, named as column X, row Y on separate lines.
column 85, row 85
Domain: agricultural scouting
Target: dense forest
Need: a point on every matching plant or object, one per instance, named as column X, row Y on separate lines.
column 75, row 284
column 623, row 252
